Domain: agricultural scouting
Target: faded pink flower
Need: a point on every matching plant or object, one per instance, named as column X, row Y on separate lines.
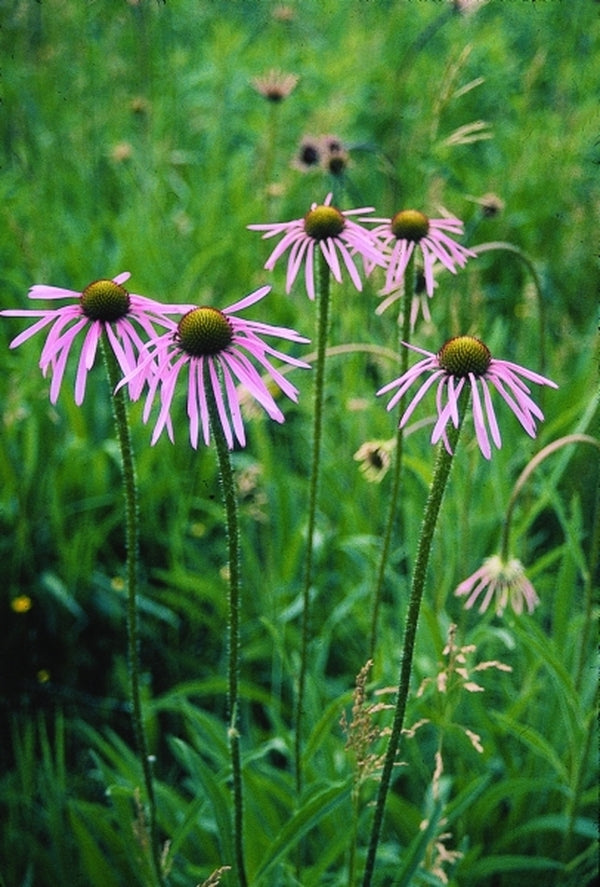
column 214, row 346
column 330, row 230
column 103, row 307
column 502, row 581
column 463, row 360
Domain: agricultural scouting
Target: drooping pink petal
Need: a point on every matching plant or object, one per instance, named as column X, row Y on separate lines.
column 218, row 396
column 480, row 429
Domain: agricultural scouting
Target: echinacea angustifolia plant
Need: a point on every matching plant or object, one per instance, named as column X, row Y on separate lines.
column 259, row 628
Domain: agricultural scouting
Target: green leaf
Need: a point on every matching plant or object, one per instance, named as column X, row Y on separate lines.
column 309, row 815
column 98, row 870
column 493, row 865
column 535, row 741
column 415, row 852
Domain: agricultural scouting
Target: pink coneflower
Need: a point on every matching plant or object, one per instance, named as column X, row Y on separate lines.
column 504, row 581
column 104, row 306
column 462, row 360
column 215, row 346
column 329, row 229
column 409, row 228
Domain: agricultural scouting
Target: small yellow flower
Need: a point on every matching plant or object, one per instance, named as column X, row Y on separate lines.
column 21, row 604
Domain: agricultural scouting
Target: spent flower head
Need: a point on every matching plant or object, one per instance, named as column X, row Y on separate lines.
column 329, row 230
column 465, row 360
column 375, row 457
column 104, row 307
column 502, row 581
column 410, row 229
column 275, row 85
column 215, row 347
column 308, row 155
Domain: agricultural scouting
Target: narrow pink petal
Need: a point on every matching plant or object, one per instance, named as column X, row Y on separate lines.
column 467, row 584
column 167, row 391
column 297, row 234
column 86, row 359
column 61, row 335
column 248, row 300
column 235, row 358
column 522, row 371
column 478, row 420
column 491, row 414
column 481, row 585
column 419, row 397
column 126, row 363
column 273, row 228
column 328, row 249
column 428, row 262
column 447, row 412
column 352, row 269
column 223, row 418
column 309, row 275
column 32, row 330
column 58, row 369
column 234, row 405
column 522, row 415
column 192, row 404
column 41, row 291
column 489, row 596
column 405, row 381
column 202, row 401
column 401, row 253
column 254, row 327
column 299, row 250
column 251, row 380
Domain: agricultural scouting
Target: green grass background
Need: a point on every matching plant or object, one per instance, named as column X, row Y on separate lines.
column 132, row 139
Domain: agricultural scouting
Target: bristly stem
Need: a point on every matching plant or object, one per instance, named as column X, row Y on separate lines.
column 441, row 472
column 323, row 286
column 132, row 548
column 409, row 290
column 233, row 554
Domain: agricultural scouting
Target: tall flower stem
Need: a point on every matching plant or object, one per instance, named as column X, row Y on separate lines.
column 434, row 500
column 323, row 299
column 132, row 548
column 233, row 555
column 409, row 289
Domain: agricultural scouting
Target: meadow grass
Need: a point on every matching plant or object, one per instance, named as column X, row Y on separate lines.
column 133, row 140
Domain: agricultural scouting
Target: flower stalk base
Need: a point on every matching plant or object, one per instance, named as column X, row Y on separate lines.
column 233, row 553
column 132, row 547
column 323, row 299
column 432, row 508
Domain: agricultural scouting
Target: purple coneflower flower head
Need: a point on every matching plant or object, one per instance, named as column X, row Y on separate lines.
column 330, row 230
column 409, row 229
column 217, row 349
column 462, row 361
column 502, row 581
column 104, row 306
